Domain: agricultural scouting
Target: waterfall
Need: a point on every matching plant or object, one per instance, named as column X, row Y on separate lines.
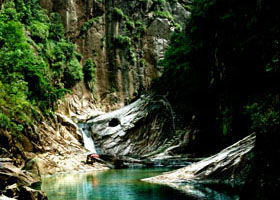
column 88, row 142
column 171, row 111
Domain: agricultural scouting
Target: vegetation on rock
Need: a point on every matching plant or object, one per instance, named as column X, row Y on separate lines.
column 86, row 26
column 89, row 73
column 37, row 64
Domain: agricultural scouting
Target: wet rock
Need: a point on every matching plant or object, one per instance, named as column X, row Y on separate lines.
column 98, row 8
column 120, row 162
column 31, row 194
column 15, row 182
column 11, row 191
column 4, row 153
column 9, row 174
column 159, row 28
column 6, row 198
column 25, row 143
column 229, row 165
column 32, row 168
column 46, row 4
column 69, row 125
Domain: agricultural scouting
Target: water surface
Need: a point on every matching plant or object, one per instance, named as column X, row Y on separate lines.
column 121, row 184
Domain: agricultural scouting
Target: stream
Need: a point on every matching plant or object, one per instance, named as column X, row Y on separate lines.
column 123, row 184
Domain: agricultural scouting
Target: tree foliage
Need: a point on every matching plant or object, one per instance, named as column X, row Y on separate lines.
column 89, row 71
column 225, row 71
column 228, row 55
column 36, row 62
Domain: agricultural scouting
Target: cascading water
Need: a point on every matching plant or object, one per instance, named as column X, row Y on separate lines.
column 88, row 142
column 171, row 111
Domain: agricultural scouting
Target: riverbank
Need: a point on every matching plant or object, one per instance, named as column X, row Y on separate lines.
column 228, row 167
column 50, row 164
column 17, row 183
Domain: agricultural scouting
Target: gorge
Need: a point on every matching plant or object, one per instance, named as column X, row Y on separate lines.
column 148, row 85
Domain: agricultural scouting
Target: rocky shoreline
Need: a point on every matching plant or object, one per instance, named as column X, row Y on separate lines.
column 18, row 183
column 228, row 167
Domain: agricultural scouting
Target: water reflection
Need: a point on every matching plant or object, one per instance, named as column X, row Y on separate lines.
column 112, row 185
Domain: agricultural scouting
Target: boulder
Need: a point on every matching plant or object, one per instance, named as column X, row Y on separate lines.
column 69, row 128
column 31, row 194
column 31, row 168
column 135, row 129
column 15, row 182
column 10, row 174
column 12, row 190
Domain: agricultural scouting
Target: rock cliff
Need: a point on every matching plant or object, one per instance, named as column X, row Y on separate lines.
column 125, row 39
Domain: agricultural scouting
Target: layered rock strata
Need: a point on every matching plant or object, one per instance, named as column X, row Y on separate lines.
column 125, row 39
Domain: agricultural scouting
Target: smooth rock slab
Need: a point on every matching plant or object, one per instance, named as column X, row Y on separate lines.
column 6, row 198
column 229, row 164
column 142, row 127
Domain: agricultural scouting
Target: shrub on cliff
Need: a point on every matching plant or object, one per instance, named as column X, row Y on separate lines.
column 73, row 73
column 89, row 71
column 35, row 57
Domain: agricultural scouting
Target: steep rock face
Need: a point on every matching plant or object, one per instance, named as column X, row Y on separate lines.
column 141, row 128
column 125, row 39
column 61, row 147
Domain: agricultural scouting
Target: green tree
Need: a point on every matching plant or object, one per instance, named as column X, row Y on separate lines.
column 89, row 71
column 73, row 73
column 37, row 62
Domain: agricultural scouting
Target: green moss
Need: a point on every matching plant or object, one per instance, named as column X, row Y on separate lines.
column 130, row 24
column 178, row 27
column 141, row 29
column 187, row 6
column 123, row 41
column 161, row 3
column 56, row 29
column 142, row 62
column 89, row 71
column 118, row 13
column 167, row 15
column 88, row 24
column 132, row 57
column 172, row 1
column 164, row 14
column 73, row 73
column 264, row 114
